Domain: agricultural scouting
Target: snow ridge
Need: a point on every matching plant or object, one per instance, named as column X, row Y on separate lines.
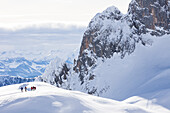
column 55, row 100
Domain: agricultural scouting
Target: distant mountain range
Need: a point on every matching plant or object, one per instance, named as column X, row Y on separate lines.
column 15, row 69
column 26, row 52
column 22, row 67
column 19, row 70
column 8, row 80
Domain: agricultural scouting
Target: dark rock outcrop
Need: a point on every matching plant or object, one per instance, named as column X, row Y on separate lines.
column 102, row 40
column 151, row 13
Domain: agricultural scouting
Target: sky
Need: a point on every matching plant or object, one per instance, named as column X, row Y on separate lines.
column 80, row 12
column 47, row 25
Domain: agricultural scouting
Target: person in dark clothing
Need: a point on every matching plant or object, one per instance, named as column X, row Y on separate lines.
column 25, row 89
column 21, row 89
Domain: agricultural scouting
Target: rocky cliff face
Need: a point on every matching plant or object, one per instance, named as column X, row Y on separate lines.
column 110, row 34
column 107, row 33
column 154, row 14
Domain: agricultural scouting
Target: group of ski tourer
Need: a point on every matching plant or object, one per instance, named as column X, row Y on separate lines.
column 33, row 88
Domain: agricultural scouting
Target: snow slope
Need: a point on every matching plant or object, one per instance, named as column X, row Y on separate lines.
column 146, row 70
column 50, row 99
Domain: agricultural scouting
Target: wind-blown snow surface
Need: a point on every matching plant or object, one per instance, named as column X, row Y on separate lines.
column 50, row 99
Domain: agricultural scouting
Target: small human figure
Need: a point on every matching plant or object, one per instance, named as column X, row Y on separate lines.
column 21, row 89
column 33, row 88
column 25, row 89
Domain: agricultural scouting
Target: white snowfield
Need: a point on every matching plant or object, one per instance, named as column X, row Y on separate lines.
column 50, row 99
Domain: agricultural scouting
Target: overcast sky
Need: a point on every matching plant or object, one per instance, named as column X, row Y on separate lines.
column 47, row 25
column 65, row 11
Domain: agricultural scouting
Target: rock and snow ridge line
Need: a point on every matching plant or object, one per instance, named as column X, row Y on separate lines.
column 116, row 59
column 50, row 99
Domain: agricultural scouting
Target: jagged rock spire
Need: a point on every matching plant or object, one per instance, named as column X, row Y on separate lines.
column 151, row 13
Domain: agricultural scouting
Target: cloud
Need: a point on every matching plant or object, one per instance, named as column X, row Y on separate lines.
column 43, row 28
column 46, row 36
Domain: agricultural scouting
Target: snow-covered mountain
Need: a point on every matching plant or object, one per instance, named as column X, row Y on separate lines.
column 50, row 99
column 18, row 66
column 58, row 69
column 25, row 51
column 122, row 55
